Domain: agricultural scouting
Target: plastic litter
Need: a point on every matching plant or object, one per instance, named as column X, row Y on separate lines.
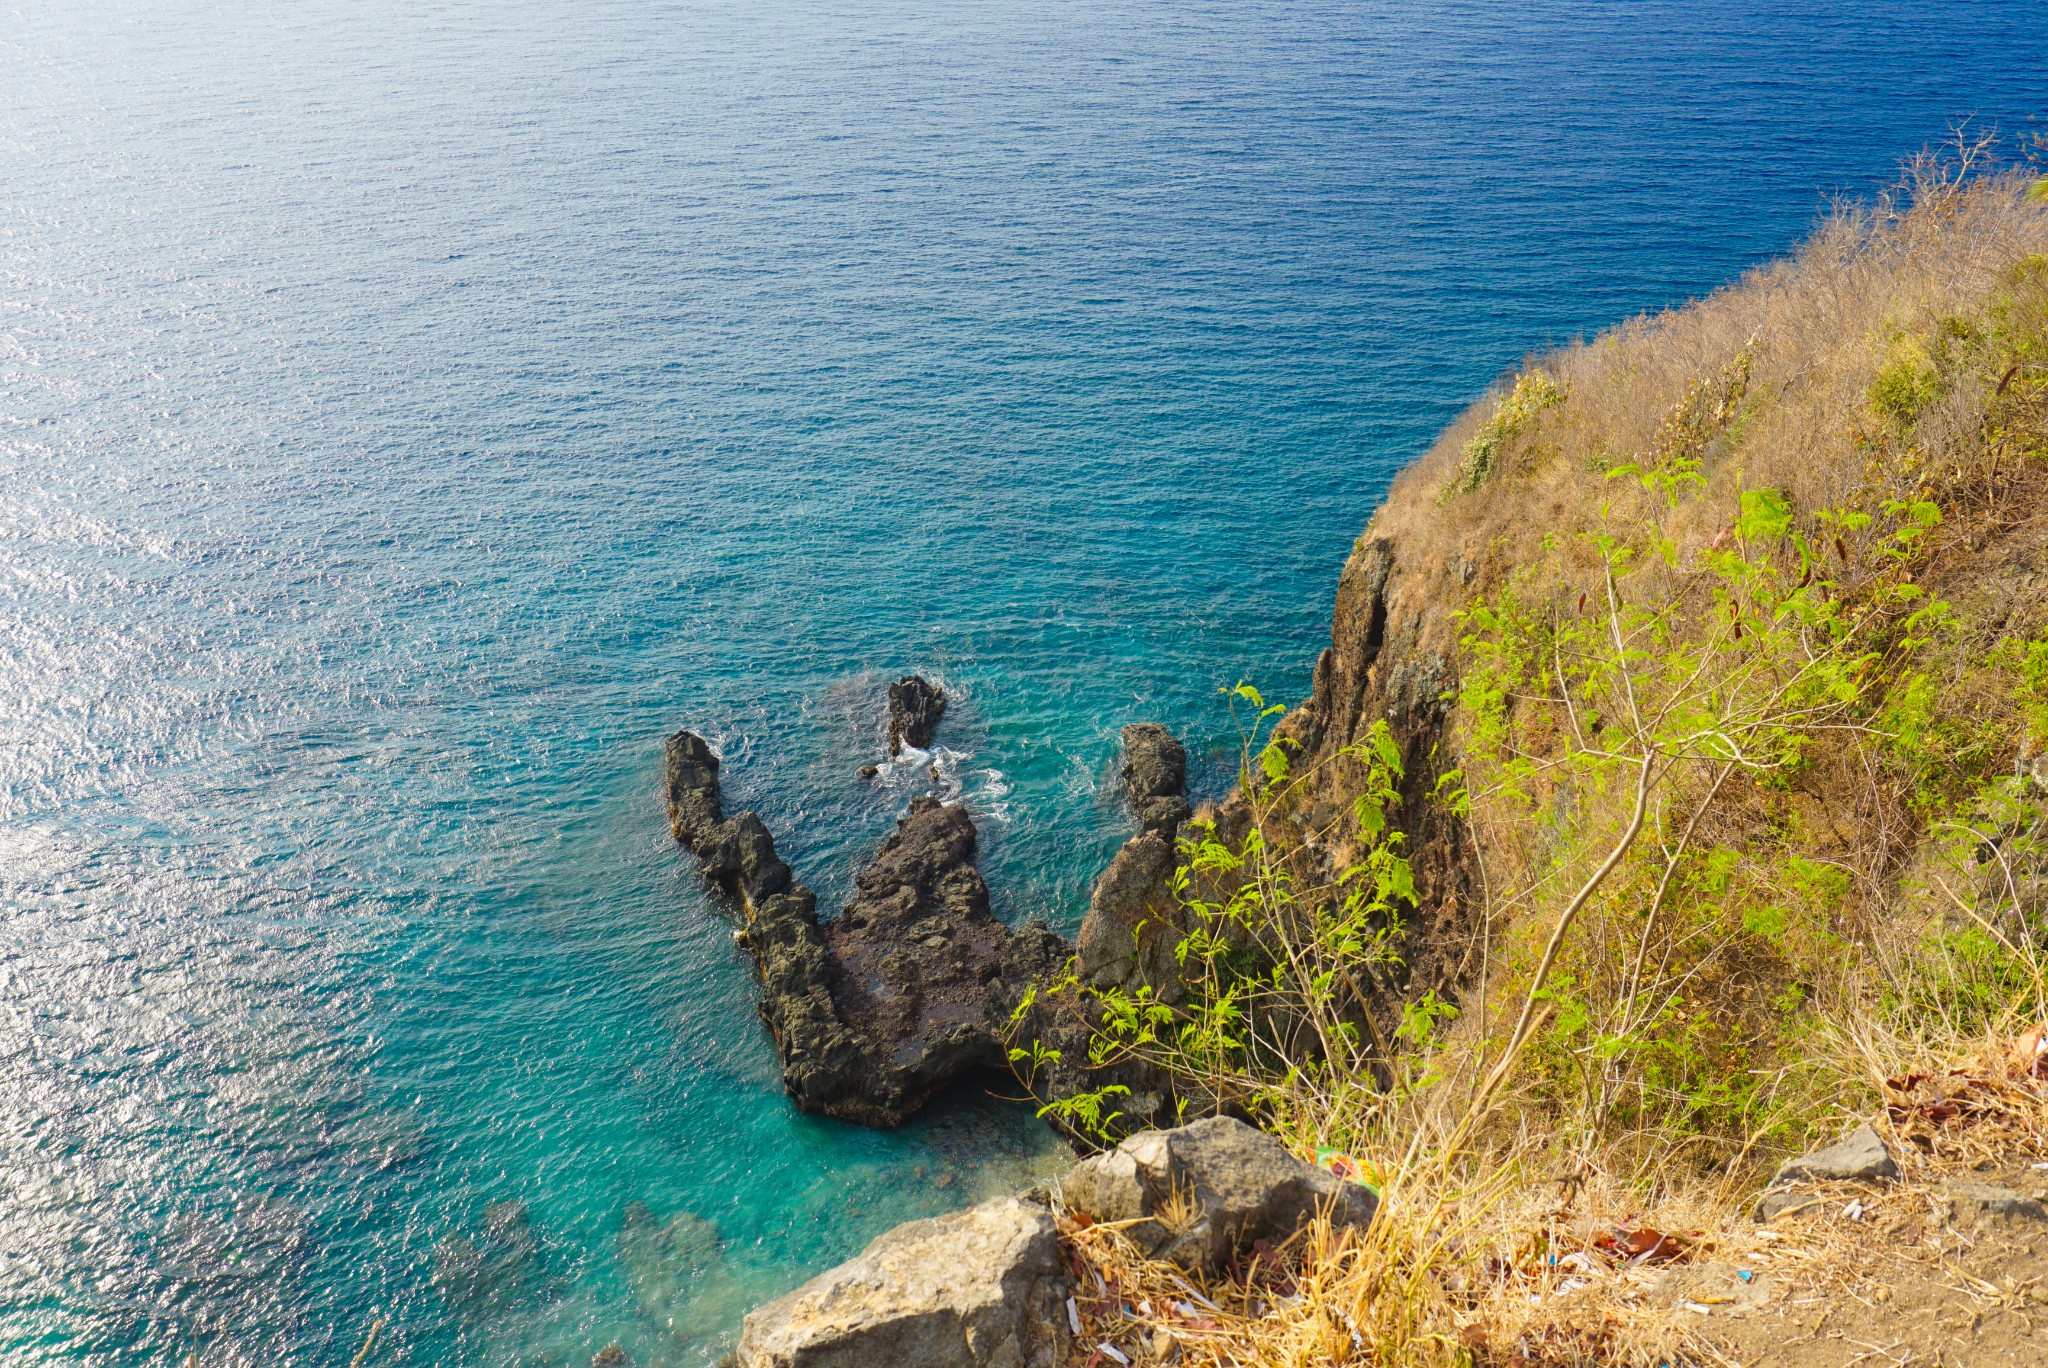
column 1114, row 1352
column 1194, row 1294
column 1073, row 1316
column 1349, row 1167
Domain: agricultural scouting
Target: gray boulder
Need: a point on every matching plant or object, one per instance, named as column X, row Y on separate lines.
column 1777, row 1201
column 1859, row 1156
column 1204, row 1192
column 1981, row 1200
column 980, row 1287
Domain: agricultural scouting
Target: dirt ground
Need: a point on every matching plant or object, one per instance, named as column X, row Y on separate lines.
column 1951, row 1273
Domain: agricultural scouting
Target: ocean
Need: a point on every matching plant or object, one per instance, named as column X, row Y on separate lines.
column 411, row 413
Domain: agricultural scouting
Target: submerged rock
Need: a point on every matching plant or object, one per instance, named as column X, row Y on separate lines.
column 677, row 1271
column 984, row 1286
column 1201, row 1193
column 915, row 707
column 493, row 1269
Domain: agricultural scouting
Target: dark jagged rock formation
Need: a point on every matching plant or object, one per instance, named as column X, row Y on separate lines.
column 914, row 958
column 1132, row 925
column 1155, row 774
column 1126, row 941
column 915, row 707
column 1391, row 653
column 737, row 853
column 873, row 1011
column 493, row 1269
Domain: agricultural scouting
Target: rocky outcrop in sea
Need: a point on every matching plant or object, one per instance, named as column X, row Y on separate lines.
column 915, row 707
column 909, row 988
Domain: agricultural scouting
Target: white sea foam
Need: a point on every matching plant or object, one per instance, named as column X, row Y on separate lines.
column 944, row 773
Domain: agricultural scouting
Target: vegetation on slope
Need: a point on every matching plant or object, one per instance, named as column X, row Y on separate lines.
column 1734, row 800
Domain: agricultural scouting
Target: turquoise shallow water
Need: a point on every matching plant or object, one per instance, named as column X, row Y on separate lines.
column 410, row 413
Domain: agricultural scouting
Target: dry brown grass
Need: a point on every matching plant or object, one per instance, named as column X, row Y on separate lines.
column 1498, row 1266
column 1817, row 326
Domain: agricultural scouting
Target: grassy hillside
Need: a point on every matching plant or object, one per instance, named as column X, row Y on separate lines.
column 1677, row 776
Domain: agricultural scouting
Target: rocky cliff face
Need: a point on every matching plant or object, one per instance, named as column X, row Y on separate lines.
column 1393, row 641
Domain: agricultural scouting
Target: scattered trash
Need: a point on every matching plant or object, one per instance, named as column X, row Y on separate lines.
column 1854, row 1211
column 2030, row 1053
column 1643, row 1246
column 1073, row 1316
column 1696, row 1308
column 1346, row 1166
column 1114, row 1352
column 1744, row 1274
column 1194, row 1294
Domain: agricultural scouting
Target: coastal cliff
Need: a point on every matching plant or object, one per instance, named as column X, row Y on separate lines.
column 1671, row 793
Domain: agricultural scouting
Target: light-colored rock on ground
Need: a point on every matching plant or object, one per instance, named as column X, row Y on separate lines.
column 981, row 1288
column 1204, row 1192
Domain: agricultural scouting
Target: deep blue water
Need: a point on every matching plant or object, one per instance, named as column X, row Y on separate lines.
column 409, row 413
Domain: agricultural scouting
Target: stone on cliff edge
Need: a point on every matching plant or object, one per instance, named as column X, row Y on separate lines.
column 915, row 707
column 1243, row 1183
column 1155, row 775
column 1859, row 1156
column 981, row 1287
